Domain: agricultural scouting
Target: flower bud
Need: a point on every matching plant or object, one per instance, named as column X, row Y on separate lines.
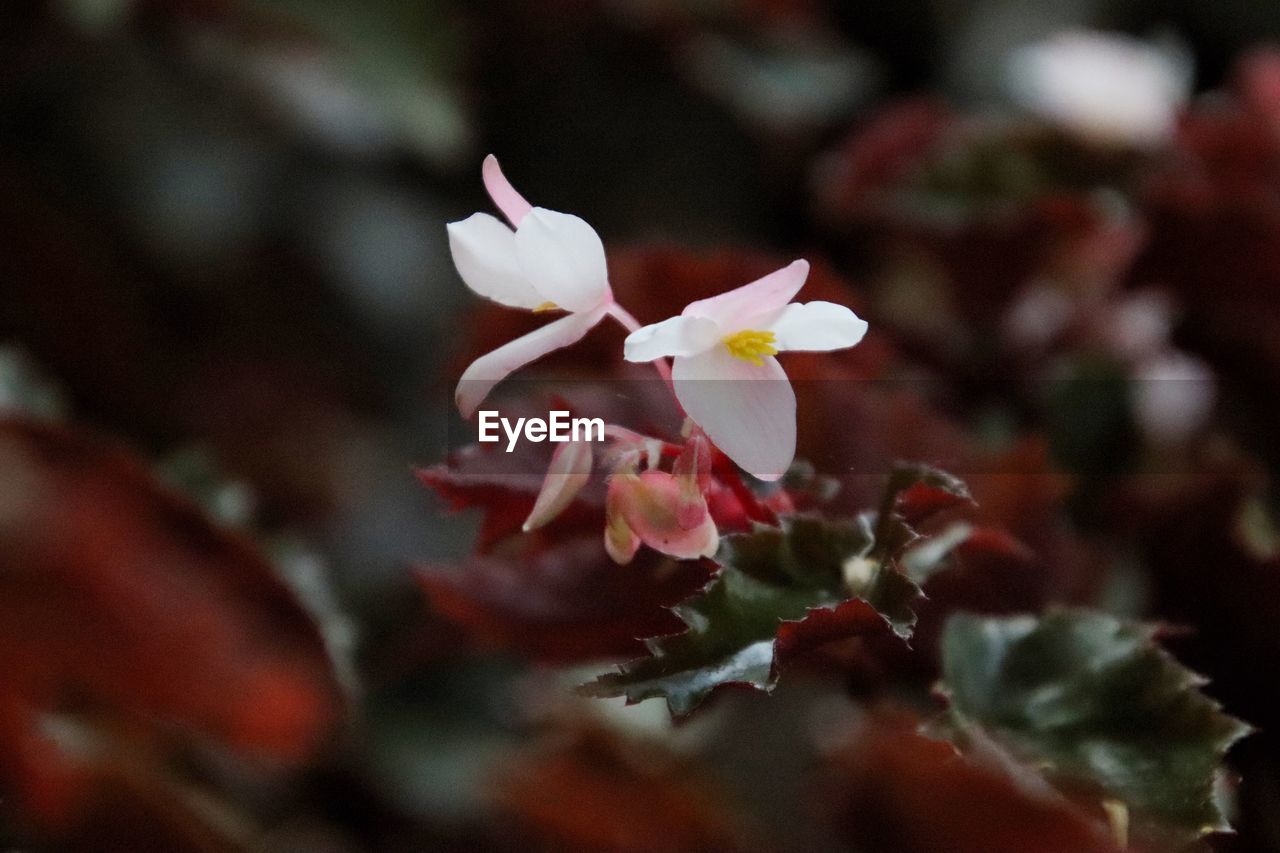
column 650, row 508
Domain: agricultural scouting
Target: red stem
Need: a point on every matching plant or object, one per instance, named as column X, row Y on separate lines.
column 727, row 472
column 631, row 324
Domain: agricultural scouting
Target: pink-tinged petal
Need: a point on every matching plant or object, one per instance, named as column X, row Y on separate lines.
column 484, row 251
column 700, row 541
column 490, row 369
column 510, row 202
column 563, row 258
column 674, row 336
column 650, row 505
column 732, row 310
column 747, row 410
column 815, row 327
column 569, row 471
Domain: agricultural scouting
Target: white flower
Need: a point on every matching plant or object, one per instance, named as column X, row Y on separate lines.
column 1174, row 394
column 725, row 374
column 1105, row 87
column 550, row 261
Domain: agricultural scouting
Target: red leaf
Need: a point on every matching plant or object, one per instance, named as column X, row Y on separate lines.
column 853, row 618
column 121, row 604
column 894, row 789
column 505, row 486
column 600, row 793
column 880, row 155
column 921, row 501
column 563, row 602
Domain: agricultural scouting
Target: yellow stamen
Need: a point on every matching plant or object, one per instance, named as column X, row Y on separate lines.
column 545, row 307
column 750, row 344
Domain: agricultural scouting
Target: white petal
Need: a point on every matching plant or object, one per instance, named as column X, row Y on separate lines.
column 510, row 202
column 563, row 258
column 484, row 251
column 490, row 369
column 816, row 327
column 731, row 310
column 1105, row 86
column 673, row 336
column 748, row 411
column 569, row 471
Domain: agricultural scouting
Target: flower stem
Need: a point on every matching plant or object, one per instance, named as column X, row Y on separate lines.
column 727, row 473
column 631, row 324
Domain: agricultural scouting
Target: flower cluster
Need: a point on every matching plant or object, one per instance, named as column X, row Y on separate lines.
column 724, row 371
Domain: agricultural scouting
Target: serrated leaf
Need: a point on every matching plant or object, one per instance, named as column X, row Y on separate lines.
column 785, row 589
column 780, row 590
column 1094, row 704
column 561, row 602
column 916, row 492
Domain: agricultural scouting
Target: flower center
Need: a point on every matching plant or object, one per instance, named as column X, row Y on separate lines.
column 545, row 307
column 750, row 344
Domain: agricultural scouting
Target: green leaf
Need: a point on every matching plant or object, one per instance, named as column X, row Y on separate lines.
column 732, row 625
column 780, row 590
column 785, row 589
column 1096, row 706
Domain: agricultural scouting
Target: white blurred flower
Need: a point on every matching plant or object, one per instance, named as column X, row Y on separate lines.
column 1106, row 87
column 1140, row 324
column 1040, row 313
column 1173, row 397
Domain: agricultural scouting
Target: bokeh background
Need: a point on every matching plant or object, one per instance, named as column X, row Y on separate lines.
column 224, row 268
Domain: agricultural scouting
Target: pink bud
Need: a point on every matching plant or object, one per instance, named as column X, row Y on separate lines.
column 651, row 506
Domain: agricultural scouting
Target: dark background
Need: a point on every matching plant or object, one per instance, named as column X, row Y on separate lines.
column 222, row 245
